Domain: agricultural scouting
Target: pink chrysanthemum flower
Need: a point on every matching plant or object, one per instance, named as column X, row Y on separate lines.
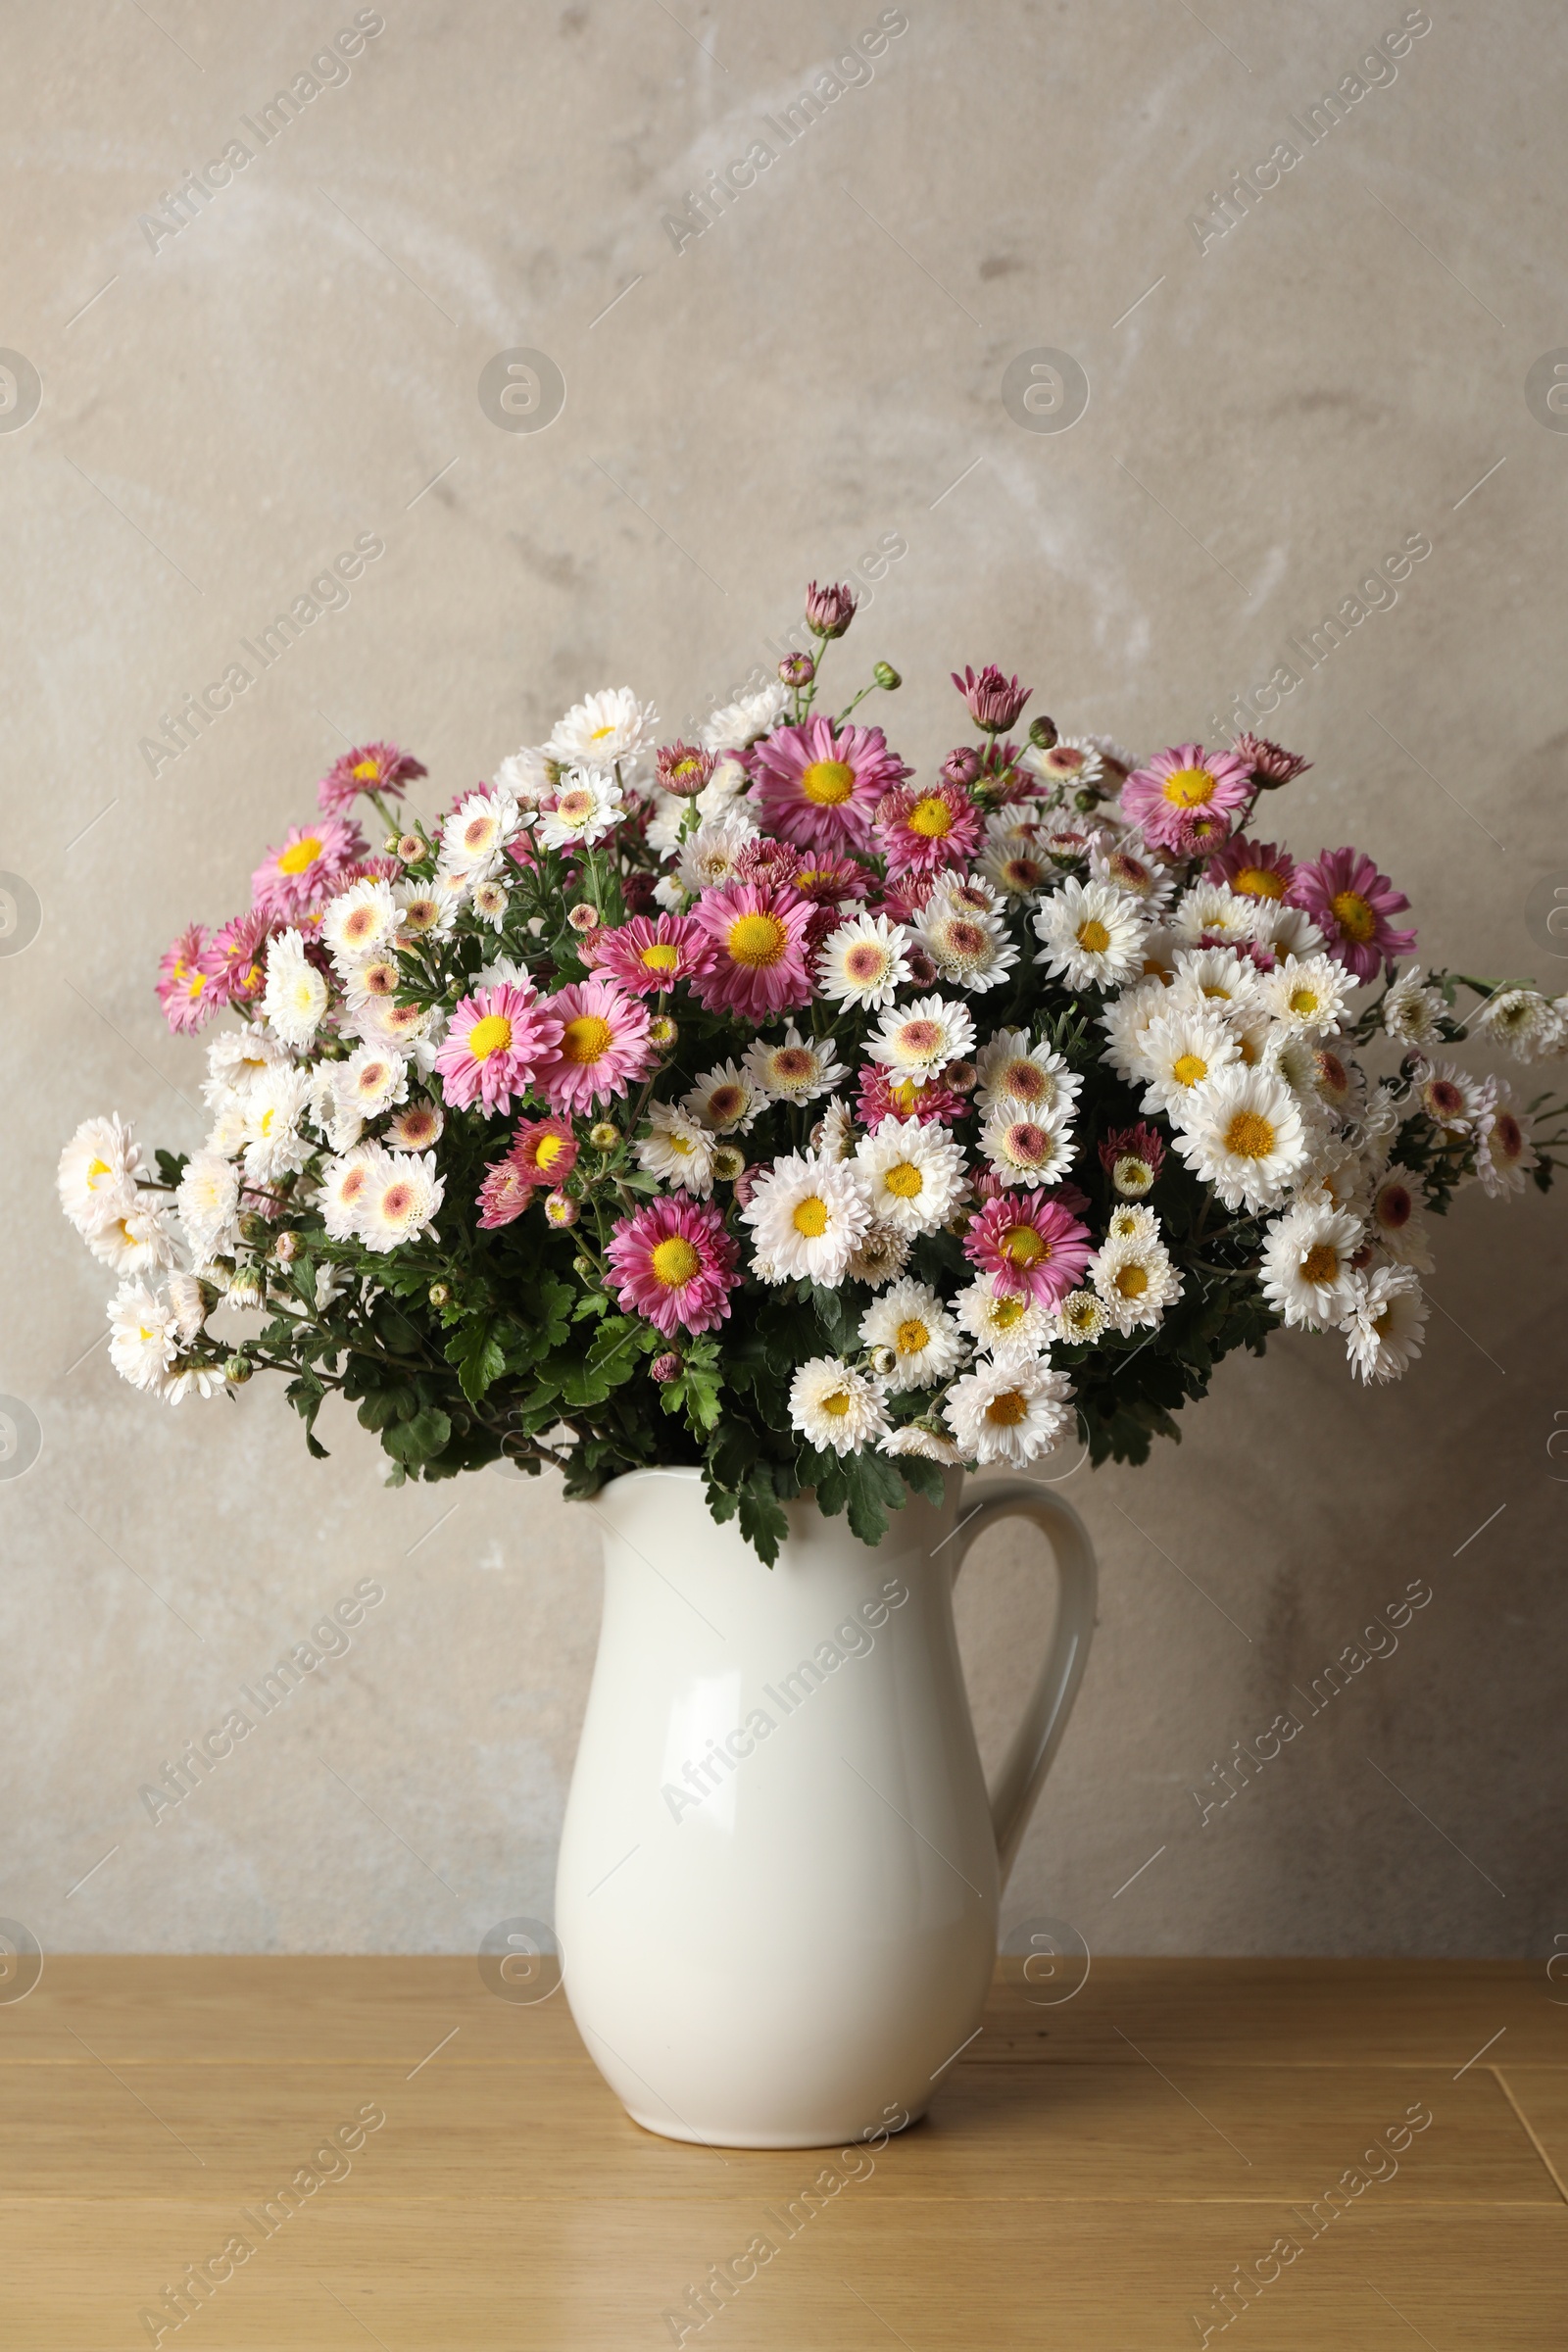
column 923, row 829
column 495, row 1041
column 504, row 1195
column 994, row 701
column 309, row 866
column 189, row 981
column 675, row 1264
column 369, row 768
column 544, row 1150
column 759, row 940
column 1258, row 869
column 818, row 786
column 1269, row 763
column 240, row 949
column 648, row 957
column 602, row 1045
column 1180, row 784
column 1350, row 902
column 881, row 1096
column 1029, row 1246
column 767, row 860
column 830, row 880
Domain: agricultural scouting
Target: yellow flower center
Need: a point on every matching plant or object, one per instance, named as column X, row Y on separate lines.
column 838, row 1405
column 1093, row 937
column 547, row 1151
column 1007, row 1409
column 1188, row 786
column 828, row 783
column 810, row 1216
column 1189, row 1069
column 931, row 817
column 1250, row 1135
column 911, row 1337
column 1023, row 1245
column 1321, row 1264
column 1304, row 1001
column 364, row 773
column 674, row 1261
column 1132, row 1281
column 758, row 940
column 905, row 1094
column 99, row 1167
column 1006, row 1312
column 1353, row 915
column 299, row 854
column 659, row 956
column 1256, row 882
column 492, row 1034
column 903, row 1180
column 586, row 1039
column 598, row 734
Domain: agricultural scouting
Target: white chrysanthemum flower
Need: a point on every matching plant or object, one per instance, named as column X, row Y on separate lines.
column 227, row 1134
column 969, row 946
column 1340, row 1084
column 1242, row 1133
column 795, row 1069
column 1208, row 910
column 1395, row 1215
column 1503, row 1152
column 1217, row 977
column 400, row 1200
column 834, row 1135
column 911, row 1323
column 733, row 725
column 345, row 1184
column 602, row 728
column 1009, row 1069
column 97, row 1172
column 996, row 1318
column 672, row 897
column 913, row 1174
column 427, row 911
column 143, row 1336
column 588, row 805
column 1386, row 1323
column 188, row 1305
column 1093, row 935
column 1126, row 1022
column 667, row 822
column 1411, row 1010
column 1293, row 1054
column 725, row 1099
column 1072, row 763
column 296, row 993
column 137, row 1237
column 1081, row 1318
column 474, row 837
column 1379, row 1122
column 723, row 788
column 1131, row 1273
column 1451, row 1098
column 529, row 775
column 1027, row 1147
column 833, row 1405
column 1140, row 877
column 1132, row 1222
column 360, row 920
column 864, row 961
column 275, row 1115
column 1306, row 994
column 917, row 1438
column 1011, row 1407
column 880, row 1255
column 677, row 1150
column 806, row 1216
column 1528, row 1023
column 920, row 1040
column 1183, row 1048
column 709, row 858
column 1012, row 859
column 207, row 1204
column 234, row 1058
column 1288, row 930
column 1307, row 1271
column 370, row 1083
column 415, row 1031
column 1333, row 1177
column 490, row 902
column 195, row 1380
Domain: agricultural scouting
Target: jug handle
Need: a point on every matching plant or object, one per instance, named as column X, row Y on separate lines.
column 1045, row 1719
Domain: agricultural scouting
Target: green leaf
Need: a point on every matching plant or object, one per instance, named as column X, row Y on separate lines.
column 479, row 1356
column 411, row 1443
column 383, row 1406
column 922, row 1477
column 874, row 1488
column 763, row 1521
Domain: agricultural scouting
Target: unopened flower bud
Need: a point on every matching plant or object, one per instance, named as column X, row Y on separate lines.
column 603, row 1136
column 410, row 849
column 728, row 1163
column 254, row 1228
column 882, row 1361
column 561, row 1208
column 238, row 1369
column 1086, row 800
column 1043, row 733
column 287, row 1249
column 796, row 669
column 440, row 1295
column 664, row 1367
column 828, row 610
column 746, row 1184
column 961, row 766
column 886, row 676
column 390, row 845
column 584, row 917
column 684, row 769
column 663, row 1032
column 960, row 1076
column 247, row 1288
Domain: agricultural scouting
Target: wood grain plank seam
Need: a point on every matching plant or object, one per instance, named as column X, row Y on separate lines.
column 1529, row 2129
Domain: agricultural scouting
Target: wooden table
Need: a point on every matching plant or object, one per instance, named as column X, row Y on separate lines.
column 1090, row 2176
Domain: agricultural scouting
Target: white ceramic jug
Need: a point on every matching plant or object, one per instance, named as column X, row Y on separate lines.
column 780, row 1869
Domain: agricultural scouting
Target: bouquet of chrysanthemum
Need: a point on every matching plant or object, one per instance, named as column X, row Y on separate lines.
column 749, row 1103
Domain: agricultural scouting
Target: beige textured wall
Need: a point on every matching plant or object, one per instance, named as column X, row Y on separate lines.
column 821, row 370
